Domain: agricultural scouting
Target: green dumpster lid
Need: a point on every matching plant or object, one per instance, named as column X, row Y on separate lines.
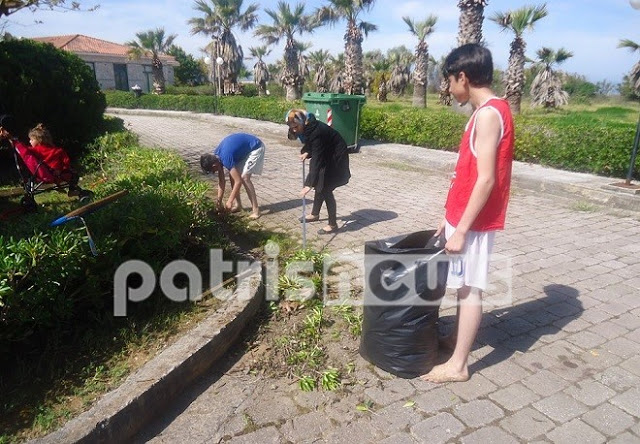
column 326, row 97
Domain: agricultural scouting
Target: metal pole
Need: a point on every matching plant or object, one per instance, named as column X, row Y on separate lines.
column 304, row 208
column 212, row 78
column 634, row 153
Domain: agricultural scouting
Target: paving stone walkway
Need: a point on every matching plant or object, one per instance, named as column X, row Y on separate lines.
column 556, row 360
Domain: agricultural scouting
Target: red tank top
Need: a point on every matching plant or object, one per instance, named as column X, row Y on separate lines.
column 492, row 215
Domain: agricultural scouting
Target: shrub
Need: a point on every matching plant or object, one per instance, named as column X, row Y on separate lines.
column 249, row 90
column 39, row 83
column 263, row 108
column 422, row 127
column 591, row 142
column 51, row 285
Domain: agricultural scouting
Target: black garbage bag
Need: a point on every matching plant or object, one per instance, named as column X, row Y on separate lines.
column 405, row 280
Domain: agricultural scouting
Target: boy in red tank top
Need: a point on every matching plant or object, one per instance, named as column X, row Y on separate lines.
column 477, row 200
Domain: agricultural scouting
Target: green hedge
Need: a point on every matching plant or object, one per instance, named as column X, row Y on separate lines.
column 39, row 83
column 51, row 285
column 265, row 108
column 590, row 142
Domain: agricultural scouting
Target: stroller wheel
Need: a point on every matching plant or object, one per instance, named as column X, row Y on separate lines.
column 85, row 196
column 29, row 205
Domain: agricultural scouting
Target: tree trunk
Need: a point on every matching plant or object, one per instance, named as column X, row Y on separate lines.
column 515, row 74
column 419, row 95
column 421, row 75
column 290, row 75
column 158, row 76
column 353, row 70
column 445, row 95
column 470, row 22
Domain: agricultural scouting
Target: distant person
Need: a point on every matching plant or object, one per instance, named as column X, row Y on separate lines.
column 328, row 166
column 477, row 201
column 243, row 156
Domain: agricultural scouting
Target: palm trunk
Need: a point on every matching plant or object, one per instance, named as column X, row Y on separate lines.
column 470, row 22
column 445, row 95
column 353, row 71
column 158, row 76
column 515, row 74
column 420, row 76
column 290, row 75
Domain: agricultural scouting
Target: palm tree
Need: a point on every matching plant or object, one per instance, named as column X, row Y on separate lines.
column 349, row 10
column 260, row 71
column 152, row 42
column 634, row 75
column 420, row 73
column 401, row 59
column 286, row 23
column 318, row 60
column 470, row 22
column 382, row 89
column 219, row 18
column 303, row 60
column 546, row 88
column 518, row 21
column 337, row 67
column 469, row 31
column 369, row 59
column 380, row 69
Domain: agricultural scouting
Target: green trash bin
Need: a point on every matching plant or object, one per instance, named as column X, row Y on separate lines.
column 341, row 111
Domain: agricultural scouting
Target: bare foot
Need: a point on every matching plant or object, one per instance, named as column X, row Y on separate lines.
column 254, row 216
column 235, row 209
column 446, row 373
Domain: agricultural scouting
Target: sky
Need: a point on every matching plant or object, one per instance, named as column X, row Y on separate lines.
column 590, row 29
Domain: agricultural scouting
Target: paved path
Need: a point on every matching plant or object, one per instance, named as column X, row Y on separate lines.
column 559, row 362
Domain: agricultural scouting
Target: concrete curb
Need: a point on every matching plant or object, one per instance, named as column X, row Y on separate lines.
column 120, row 414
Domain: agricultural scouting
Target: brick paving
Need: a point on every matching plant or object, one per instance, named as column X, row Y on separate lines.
column 556, row 359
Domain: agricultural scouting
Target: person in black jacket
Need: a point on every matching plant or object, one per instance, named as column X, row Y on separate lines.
column 328, row 166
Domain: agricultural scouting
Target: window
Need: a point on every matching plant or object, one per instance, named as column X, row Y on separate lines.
column 148, row 77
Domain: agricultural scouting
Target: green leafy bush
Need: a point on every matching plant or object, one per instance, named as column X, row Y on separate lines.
column 422, row 127
column 39, row 83
column 596, row 142
column 263, row 108
column 50, row 284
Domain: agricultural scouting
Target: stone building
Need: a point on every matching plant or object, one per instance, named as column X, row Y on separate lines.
column 110, row 62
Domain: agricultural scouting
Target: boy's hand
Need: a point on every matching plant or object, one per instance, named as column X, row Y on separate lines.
column 455, row 244
column 304, row 191
column 304, row 156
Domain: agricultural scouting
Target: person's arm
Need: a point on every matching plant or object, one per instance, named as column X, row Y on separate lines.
column 237, row 184
column 221, row 185
column 487, row 137
column 316, row 151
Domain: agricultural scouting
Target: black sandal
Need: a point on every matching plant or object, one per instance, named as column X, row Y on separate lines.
column 313, row 219
column 332, row 231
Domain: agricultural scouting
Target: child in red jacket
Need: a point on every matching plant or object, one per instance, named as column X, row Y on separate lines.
column 42, row 150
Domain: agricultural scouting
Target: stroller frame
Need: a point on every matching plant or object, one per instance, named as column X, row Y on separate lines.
column 32, row 185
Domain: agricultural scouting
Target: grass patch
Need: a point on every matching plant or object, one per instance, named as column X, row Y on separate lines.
column 584, row 207
column 61, row 347
column 399, row 166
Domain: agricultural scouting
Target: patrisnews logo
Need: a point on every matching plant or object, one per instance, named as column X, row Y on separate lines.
column 347, row 279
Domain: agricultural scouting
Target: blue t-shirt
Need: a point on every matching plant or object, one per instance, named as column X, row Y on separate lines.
column 235, row 148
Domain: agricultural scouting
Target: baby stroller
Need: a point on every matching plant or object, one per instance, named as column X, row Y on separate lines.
column 45, row 170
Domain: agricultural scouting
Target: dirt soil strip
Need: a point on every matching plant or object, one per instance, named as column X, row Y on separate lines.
column 121, row 413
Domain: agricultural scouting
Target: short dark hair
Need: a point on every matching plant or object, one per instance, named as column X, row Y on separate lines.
column 8, row 123
column 207, row 161
column 472, row 59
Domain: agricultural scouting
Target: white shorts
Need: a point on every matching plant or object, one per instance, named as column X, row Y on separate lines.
column 471, row 267
column 253, row 163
